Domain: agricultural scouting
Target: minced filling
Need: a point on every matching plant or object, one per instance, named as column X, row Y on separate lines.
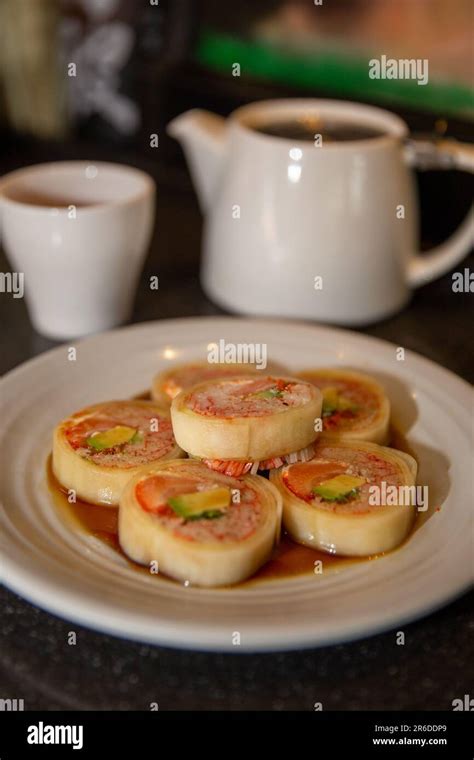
column 331, row 461
column 154, row 435
column 237, row 523
column 248, row 397
column 190, row 375
column 365, row 404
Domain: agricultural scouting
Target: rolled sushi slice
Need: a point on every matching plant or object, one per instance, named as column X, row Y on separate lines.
column 355, row 406
column 199, row 526
column 241, row 423
column 96, row 450
column 167, row 384
column 337, row 502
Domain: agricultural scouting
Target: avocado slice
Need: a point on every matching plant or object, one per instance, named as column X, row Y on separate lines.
column 330, row 399
column 334, row 401
column 201, row 504
column 341, row 488
column 115, row 436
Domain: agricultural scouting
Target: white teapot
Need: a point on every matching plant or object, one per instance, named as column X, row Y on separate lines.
column 302, row 229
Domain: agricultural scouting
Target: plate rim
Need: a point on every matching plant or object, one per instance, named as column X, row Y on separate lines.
column 201, row 640
column 265, row 322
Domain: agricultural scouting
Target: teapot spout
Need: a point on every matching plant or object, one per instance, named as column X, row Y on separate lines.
column 203, row 138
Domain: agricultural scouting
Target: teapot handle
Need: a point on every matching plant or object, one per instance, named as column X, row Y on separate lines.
column 442, row 154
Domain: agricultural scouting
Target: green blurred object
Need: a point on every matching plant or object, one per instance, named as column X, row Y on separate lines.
column 32, row 88
column 337, row 74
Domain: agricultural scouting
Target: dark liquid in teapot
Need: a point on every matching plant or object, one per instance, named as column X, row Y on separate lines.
column 309, row 129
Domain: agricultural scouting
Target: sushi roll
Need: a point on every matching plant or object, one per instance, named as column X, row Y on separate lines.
column 355, row 406
column 96, row 450
column 199, row 526
column 240, row 424
column 167, row 384
column 330, row 503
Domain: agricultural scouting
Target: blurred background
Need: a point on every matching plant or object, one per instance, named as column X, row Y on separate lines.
column 138, row 63
column 94, row 79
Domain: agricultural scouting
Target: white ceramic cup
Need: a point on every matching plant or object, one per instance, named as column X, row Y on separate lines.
column 80, row 241
column 327, row 232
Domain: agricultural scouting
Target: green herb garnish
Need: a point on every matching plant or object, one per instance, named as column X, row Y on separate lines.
column 270, row 393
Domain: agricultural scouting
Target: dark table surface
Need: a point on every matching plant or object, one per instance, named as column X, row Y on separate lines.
column 103, row 672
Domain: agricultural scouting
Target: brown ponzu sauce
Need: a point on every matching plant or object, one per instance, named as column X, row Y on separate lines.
column 289, row 559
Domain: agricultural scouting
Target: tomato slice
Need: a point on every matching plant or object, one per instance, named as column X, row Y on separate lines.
column 302, row 478
column 153, row 492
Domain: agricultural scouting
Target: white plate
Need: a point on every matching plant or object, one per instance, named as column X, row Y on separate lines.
column 56, row 565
